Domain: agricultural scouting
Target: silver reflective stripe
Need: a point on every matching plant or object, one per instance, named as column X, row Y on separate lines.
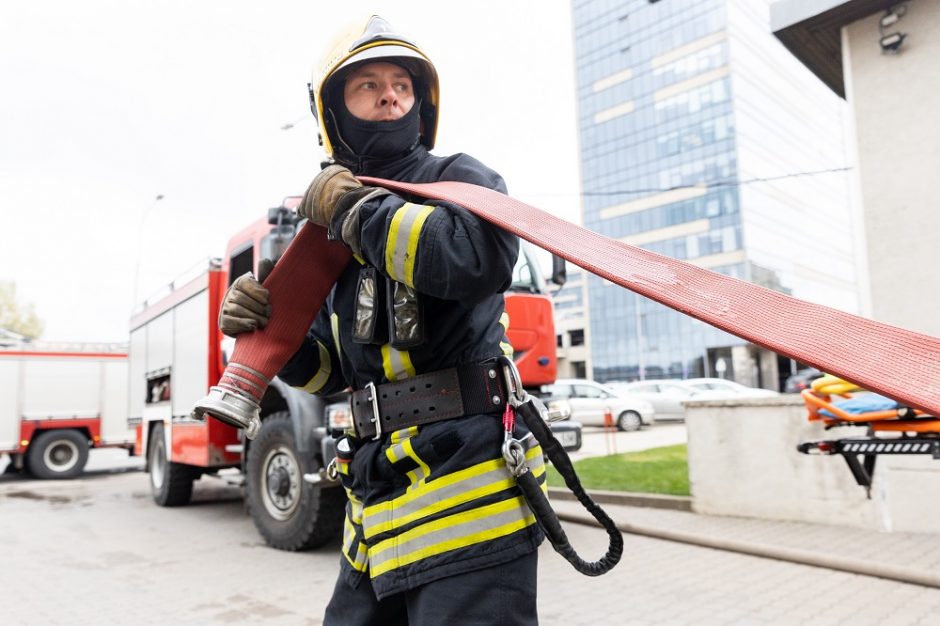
column 402, row 449
column 450, row 533
column 397, row 363
column 401, row 247
column 354, row 551
column 446, row 492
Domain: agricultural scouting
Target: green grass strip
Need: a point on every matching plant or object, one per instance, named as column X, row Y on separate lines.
column 658, row 470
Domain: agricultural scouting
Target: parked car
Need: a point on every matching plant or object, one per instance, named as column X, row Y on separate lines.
column 721, row 389
column 800, row 380
column 589, row 401
column 666, row 396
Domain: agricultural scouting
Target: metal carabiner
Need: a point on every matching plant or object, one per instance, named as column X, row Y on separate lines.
column 514, row 455
column 517, row 394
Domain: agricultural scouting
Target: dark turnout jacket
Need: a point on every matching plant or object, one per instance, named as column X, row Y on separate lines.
column 424, row 294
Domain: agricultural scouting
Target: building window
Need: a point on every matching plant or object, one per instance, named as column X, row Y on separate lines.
column 577, row 337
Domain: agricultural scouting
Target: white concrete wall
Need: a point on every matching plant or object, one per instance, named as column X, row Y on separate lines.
column 895, row 99
column 743, row 462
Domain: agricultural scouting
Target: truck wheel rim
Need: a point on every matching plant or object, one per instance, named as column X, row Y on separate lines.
column 158, row 465
column 61, row 456
column 280, row 483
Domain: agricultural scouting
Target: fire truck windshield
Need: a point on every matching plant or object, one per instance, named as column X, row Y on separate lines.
column 527, row 275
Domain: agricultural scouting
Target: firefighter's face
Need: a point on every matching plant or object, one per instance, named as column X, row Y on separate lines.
column 379, row 92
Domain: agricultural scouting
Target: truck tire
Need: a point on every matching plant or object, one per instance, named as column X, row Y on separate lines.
column 170, row 483
column 57, row 454
column 290, row 513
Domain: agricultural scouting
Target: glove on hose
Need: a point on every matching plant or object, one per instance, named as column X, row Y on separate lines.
column 245, row 306
column 319, row 203
column 333, row 200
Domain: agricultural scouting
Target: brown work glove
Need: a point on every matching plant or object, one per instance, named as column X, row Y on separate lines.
column 245, row 306
column 320, row 201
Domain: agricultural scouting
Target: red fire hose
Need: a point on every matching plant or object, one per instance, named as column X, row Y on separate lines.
column 898, row 363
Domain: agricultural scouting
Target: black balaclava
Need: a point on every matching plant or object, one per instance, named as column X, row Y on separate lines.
column 379, row 140
column 376, row 140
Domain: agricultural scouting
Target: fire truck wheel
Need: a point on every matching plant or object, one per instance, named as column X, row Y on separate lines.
column 629, row 421
column 57, row 454
column 290, row 513
column 170, row 483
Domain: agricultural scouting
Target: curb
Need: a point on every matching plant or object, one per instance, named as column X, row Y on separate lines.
column 628, row 498
column 793, row 555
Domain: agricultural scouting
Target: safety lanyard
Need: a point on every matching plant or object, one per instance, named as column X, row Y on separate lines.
column 531, row 410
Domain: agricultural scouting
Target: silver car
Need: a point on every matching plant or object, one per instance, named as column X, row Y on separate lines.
column 666, row 396
column 589, row 402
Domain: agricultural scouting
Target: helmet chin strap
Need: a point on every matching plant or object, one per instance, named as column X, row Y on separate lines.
column 340, row 140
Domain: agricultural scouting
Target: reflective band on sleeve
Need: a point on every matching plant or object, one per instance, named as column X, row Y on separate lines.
column 396, row 363
column 401, row 247
column 445, row 492
column 319, row 379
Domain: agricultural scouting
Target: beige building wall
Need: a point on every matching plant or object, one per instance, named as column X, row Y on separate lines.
column 896, row 105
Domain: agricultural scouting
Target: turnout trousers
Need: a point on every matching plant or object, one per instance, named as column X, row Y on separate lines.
column 501, row 595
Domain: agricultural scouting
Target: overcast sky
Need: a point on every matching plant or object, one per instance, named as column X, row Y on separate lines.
column 106, row 104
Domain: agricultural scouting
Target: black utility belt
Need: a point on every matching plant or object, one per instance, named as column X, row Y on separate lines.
column 445, row 394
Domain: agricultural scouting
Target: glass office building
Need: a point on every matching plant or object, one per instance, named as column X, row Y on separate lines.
column 703, row 140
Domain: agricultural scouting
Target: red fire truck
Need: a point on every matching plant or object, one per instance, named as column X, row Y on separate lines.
column 59, row 400
column 177, row 352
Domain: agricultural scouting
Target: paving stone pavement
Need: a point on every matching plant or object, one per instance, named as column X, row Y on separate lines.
column 98, row 551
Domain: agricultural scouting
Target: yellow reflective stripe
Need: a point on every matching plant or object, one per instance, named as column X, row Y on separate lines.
column 401, row 245
column 405, row 357
column 535, row 452
column 446, row 492
column 319, row 379
column 505, row 346
column 354, row 551
column 396, row 363
column 334, row 327
column 399, row 435
column 402, row 449
column 451, row 533
column 421, row 473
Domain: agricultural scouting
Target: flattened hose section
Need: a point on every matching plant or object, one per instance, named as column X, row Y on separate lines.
column 895, row 362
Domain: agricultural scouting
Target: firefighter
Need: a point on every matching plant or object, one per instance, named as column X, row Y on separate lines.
column 436, row 530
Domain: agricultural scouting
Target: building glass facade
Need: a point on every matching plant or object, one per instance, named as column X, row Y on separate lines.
column 665, row 165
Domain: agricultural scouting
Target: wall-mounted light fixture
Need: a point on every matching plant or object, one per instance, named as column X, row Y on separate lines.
column 891, row 42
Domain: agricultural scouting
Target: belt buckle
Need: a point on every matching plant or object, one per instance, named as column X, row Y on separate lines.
column 376, row 418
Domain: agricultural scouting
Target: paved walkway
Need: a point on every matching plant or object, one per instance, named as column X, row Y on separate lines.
column 915, row 552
